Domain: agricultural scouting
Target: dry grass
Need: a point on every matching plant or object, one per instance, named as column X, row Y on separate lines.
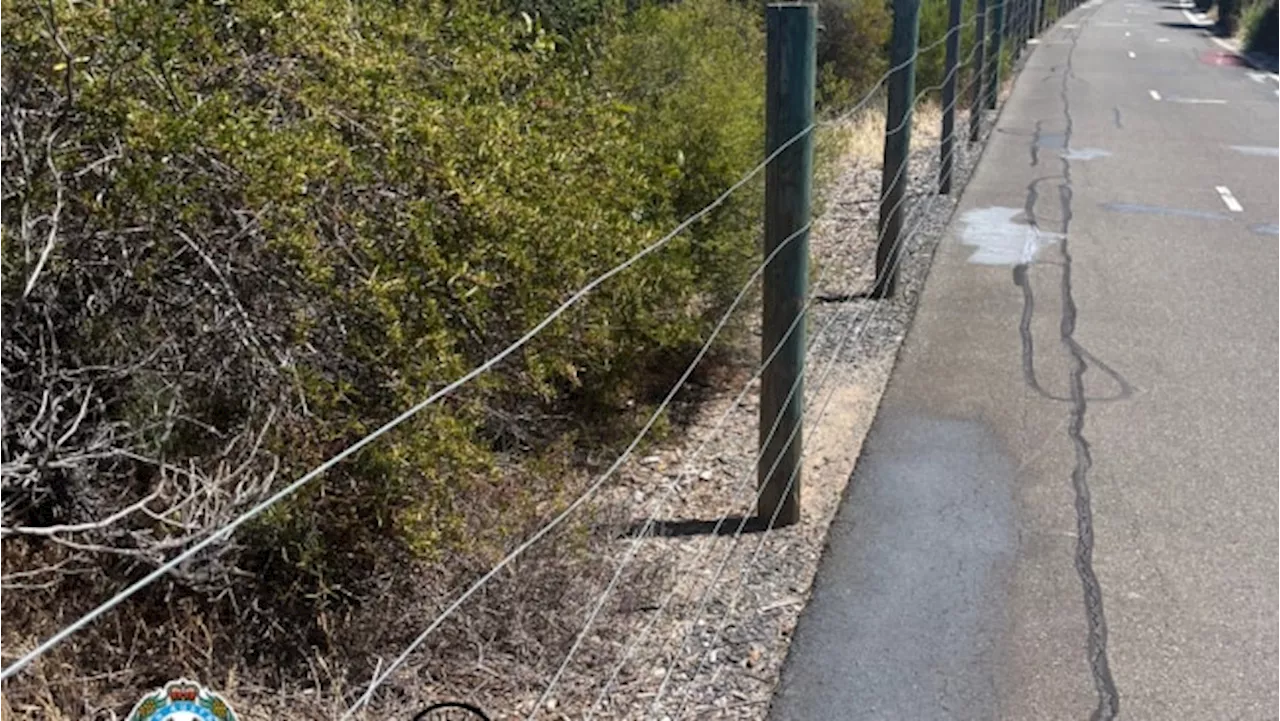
column 497, row 651
column 859, row 139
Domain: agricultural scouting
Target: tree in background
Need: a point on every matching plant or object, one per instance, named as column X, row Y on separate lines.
column 1228, row 18
column 852, row 38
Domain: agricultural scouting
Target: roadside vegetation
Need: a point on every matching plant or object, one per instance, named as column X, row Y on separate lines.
column 237, row 237
column 1260, row 27
column 1252, row 22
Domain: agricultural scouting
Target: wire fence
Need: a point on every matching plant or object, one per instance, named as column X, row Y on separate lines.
column 826, row 350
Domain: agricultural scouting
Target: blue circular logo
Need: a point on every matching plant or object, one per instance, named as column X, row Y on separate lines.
column 182, row 700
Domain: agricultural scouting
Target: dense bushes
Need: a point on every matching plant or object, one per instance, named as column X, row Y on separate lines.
column 1254, row 19
column 851, row 56
column 931, row 65
column 1262, row 32
column 237, row 237
column 853, row 47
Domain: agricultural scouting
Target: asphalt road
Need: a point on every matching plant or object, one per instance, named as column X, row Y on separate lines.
column 1067, row 505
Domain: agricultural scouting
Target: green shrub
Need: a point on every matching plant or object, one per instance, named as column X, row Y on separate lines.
column 1260, row 27
column 691, row 79
column 282, row 222
column 570, row 20
column 931, row 65
column 851, row 51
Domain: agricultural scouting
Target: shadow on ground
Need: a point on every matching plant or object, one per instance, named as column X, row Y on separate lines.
column 1184, row 26
column 726, row 526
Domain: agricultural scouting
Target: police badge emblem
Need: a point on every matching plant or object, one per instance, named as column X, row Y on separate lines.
column 182, row 700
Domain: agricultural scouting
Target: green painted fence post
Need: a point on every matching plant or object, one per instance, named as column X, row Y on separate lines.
column 1015, row 32
column 789, row 92
column 1020, row 28
column 952, row 69
column 979, row 72
column 997, row 39
column 897, row 143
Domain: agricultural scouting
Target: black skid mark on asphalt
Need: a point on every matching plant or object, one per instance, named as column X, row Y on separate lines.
column 1108, row 697
column 1115, row 114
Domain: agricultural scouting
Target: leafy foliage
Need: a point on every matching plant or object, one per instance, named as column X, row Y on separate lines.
column 275, row 224
column 852, row 48
column 1262, row 33
column 931, row 65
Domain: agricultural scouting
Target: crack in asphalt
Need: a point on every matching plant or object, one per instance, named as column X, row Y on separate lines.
column 1022, row 279
column 1108, row 697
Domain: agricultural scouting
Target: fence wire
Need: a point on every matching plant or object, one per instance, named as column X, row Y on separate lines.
column 219, row 535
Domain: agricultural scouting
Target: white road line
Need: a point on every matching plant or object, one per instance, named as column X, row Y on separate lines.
column 1132, row 54
column 1198, row 101
column 1225, row 44
column 1127, row 33
column 1197, row 18
column 1154, row 95
column 1258, row 150
column 1232, row 204
column 1162, row 40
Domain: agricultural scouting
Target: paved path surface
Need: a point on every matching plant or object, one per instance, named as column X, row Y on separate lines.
column 1067, row 506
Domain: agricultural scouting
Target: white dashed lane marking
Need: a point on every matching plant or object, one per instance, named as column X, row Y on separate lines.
column 1154, row 95
column 1232, row 204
